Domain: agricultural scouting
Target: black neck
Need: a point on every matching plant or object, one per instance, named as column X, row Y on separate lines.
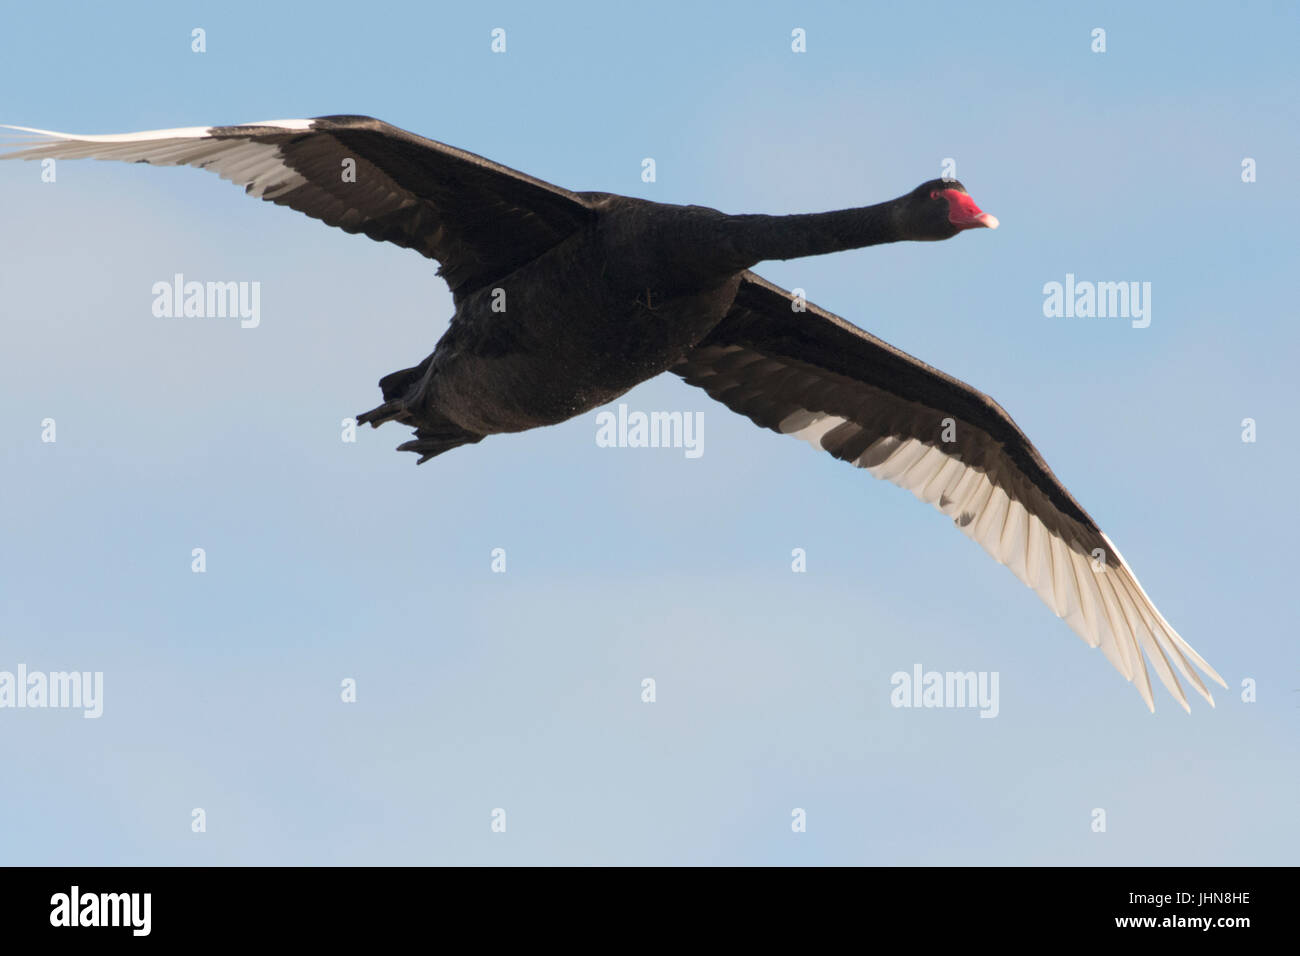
column 758, row 238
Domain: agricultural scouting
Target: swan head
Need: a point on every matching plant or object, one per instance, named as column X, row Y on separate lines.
column 939, row 209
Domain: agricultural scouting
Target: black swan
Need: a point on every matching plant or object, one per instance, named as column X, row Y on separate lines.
column 565, row 300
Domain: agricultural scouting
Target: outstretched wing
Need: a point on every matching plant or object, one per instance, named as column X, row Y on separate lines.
column 479, row 219
column 812, row 375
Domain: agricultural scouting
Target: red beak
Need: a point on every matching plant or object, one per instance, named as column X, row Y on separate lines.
column 964, row 214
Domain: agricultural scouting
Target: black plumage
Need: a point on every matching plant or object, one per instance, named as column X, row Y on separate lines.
column 565, row 300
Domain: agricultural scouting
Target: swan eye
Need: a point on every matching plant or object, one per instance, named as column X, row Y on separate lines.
column 934, row 194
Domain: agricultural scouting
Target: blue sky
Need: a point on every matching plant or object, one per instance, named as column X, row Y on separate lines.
column 328, row 560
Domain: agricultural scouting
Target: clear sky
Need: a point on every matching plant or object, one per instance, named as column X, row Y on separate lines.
column 476, row 690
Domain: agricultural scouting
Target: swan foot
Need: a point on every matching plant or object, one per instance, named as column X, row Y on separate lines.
column 429, row 442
